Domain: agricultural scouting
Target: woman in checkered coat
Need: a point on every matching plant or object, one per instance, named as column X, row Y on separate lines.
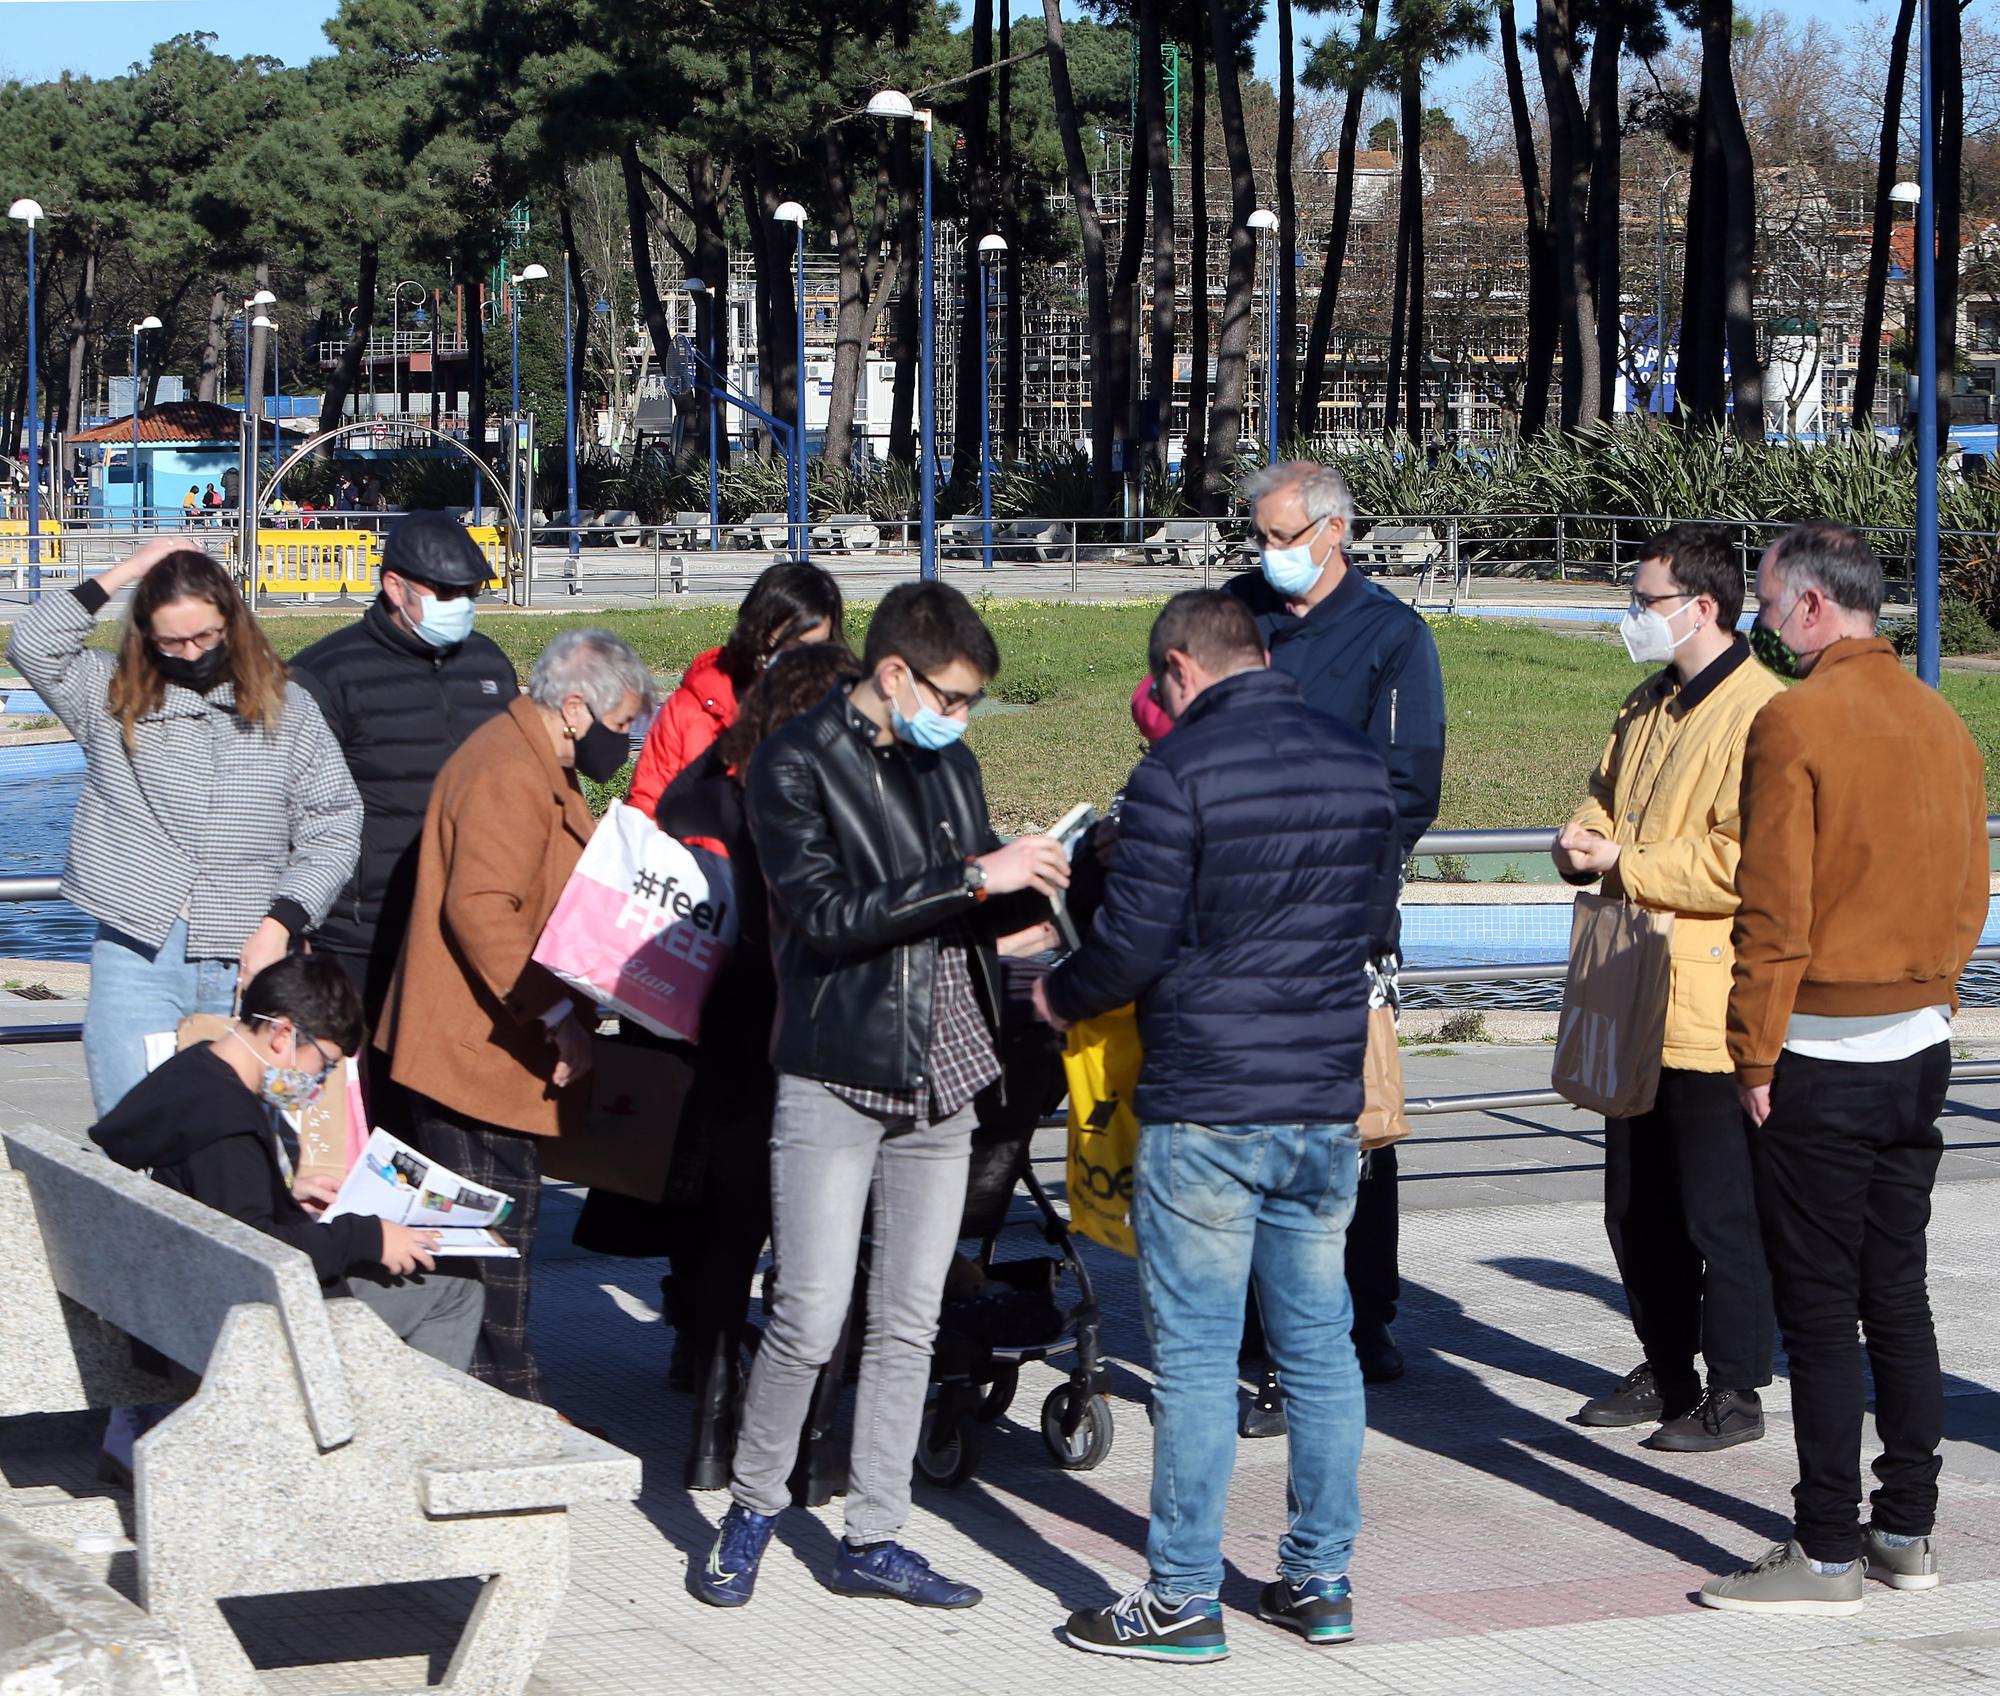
column 217, row 820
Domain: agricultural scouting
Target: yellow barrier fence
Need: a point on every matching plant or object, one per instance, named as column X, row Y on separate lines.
column 345, row 562
column 14, row 541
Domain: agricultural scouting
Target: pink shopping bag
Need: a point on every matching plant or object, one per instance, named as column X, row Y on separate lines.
column 644, row 925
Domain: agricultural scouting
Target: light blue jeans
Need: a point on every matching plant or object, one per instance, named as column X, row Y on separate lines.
column 135, row 990
column 1209, row 1205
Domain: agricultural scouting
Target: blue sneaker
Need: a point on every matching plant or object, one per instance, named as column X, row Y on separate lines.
column 1321, row 1610
column 729, row 1575
column 1141, row 1627
column 889, row 1569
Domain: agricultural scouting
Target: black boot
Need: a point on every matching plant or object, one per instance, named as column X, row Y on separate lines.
column 1264, row 1415
column 1375, row 1349
column 714, row 1444
column 821, row 1472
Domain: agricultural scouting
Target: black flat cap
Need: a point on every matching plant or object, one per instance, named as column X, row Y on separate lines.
column 433, row 547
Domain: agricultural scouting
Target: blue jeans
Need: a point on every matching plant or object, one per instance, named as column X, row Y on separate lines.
column 136, row 990
column 1209, row 1205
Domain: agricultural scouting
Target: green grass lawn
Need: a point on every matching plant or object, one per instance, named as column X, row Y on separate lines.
column 1529, row 707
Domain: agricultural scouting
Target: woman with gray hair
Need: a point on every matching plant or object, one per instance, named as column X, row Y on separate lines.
column 490, row 1045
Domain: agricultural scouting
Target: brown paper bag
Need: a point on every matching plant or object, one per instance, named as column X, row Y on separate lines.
column 1383, row 1120
column 637, row 1089
column 322, row 1126
column 1614, row 1016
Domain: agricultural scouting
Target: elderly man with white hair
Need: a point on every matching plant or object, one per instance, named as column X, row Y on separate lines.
column 487, row 1041
column 1363, row 657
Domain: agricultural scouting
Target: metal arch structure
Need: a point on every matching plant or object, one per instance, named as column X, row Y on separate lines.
column 253, row 510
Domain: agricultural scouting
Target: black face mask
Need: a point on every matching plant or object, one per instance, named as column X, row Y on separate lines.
column 601, row 752
column 201, row 674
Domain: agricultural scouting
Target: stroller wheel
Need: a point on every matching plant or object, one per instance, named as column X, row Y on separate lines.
column 1089, row 1442
column 998, row 1399
column 949, row 1457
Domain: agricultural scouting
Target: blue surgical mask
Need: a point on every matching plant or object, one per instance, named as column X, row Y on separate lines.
column 445, row 623
column 926, row 727
column 1291, row 571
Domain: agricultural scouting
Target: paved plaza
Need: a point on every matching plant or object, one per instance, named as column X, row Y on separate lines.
column 1504, row 1549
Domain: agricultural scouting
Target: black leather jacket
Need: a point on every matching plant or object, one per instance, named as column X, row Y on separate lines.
column 864, row 850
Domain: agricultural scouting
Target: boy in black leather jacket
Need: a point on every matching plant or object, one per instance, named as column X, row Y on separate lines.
column 870, row 821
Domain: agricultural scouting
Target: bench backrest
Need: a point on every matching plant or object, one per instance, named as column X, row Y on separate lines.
column 769, row 520
column 168, row 1270
column 690, row 521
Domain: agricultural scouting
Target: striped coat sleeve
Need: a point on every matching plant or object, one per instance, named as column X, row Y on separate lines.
column 47, row 647
column 325, row 810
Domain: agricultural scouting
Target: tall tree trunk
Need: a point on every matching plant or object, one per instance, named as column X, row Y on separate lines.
column 1569, row 208
column 639, row 230
column 579, row 323
column 1868, row 364
column 348, row 372
column 1232, row 362
column 1286, row 375
column 82, row 310
column 1010, row 227
column 1739, row 220
column 1194, row 447
column 1947, row 178
column 1392, row 408
column 865, row 279
column 1542, row 306
column 976, row 210
column 1413, row 200
column 475, row 357
column 708, row 192
column 1603, row 230
column 777, row 354
column 1698, row 384
column 1314, row 375
column 1097, row 285
column 909, row 283
column 1133, row 241
column 1160, row 174
column 215, row 349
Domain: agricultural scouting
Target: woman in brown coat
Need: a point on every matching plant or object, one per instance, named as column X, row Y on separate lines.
column 490, row 1044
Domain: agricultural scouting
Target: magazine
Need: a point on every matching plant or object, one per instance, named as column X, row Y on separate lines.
column 392, row 1180
column 1070, row 832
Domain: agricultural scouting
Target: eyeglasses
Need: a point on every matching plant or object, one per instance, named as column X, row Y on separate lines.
column 950, row 701
column 300, row 1042
column 1271, row 538
column 202, row 642
column 1650, row 601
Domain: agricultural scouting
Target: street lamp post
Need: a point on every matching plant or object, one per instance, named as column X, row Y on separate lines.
column 30, row 213
column 396, row 365
column 791, row 212
column 890, row 103
column 149, row 322
column 1927, row 393
column 527, row 274
column 1656, row 401
column 695, row 288
column 569, row 411
column 1265, row 222
column 991, row 249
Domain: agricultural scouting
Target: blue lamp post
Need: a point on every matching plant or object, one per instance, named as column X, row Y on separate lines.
column 892, row 104
column 527, row 274
column 791, row 212
column 1265, row 222
column 1928, row 398
column 30, row 212
column 695, row 288
column 147, row 323
column 569, row 411
column 991, row 248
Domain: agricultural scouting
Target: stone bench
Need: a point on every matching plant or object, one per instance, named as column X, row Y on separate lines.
column 318, row 1452
column 847, row 533
column 1401, row 548
column 769, row 531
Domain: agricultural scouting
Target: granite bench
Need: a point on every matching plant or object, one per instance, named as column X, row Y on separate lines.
column 317, row 1452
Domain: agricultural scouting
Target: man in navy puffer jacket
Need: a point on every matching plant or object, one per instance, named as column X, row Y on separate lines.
column 1254, row 874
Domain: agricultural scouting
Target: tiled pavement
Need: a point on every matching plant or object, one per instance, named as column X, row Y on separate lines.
column 1504, row 1548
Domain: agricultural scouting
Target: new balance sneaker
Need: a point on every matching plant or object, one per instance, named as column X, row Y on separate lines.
column 729, row 1575
column 1909, row 1564
column 1782, row 1581
column 889, row 1569
column 1140, row 1627
column 1636, row 1401
column 1321, row 1610
column 1720, row 1420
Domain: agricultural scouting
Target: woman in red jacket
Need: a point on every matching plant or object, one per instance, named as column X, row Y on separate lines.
column 789, row 606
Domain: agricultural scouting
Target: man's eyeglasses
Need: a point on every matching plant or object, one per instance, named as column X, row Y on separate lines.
column 1651, row 601
column 949, row 700
column 202, row 642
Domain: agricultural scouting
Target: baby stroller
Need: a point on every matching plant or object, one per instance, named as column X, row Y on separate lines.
column 999, row 1314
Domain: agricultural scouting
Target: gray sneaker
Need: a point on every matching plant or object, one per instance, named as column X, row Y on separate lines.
column 1783, row 1582
column 1910, row 1566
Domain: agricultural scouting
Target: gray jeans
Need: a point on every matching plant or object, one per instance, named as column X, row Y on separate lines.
column 827, row 1160
column 435, row 1313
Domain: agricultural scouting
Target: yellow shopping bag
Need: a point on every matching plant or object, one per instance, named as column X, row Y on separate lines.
column 1101, row 1064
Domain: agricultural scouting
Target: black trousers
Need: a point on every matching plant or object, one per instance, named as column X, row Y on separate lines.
column 1844, row 1167
column 1372, row 1276
column 1682, row 1218
column 713, row 1247
column 511, row 1163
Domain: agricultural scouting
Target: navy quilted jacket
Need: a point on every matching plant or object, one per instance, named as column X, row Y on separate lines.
column 1256, row 866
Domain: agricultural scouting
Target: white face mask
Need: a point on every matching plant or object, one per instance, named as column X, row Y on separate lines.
column 1649, row 636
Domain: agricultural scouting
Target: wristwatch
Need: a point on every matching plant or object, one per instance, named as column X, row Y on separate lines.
column 975, row 879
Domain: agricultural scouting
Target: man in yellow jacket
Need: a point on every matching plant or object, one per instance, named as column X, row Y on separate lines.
column 1660, row 828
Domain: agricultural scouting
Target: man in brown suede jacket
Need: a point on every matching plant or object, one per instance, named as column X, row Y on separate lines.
column 1863, row 890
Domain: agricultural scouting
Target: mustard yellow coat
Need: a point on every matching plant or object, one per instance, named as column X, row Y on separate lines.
column 1666, row 792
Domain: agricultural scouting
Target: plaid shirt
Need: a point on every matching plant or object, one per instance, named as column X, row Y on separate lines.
column 961, row 1058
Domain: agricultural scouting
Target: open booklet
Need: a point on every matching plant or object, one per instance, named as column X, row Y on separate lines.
column 392, row 1180
column 1069, row 832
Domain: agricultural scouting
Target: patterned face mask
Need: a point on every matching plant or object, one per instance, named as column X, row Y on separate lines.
column 1778, row 655
column 290, row 1089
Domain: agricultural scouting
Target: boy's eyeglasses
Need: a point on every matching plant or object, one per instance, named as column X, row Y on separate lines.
column 949, row 700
